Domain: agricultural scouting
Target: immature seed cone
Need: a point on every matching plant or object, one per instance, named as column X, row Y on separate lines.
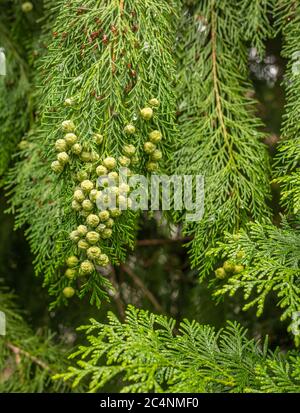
column 98, row 138
column 82, row 230
column 155, row 136
column 27, row 7
column 68, row 292
column 106, row 233
column 113, row 190
column 82, row 176
column 152, row 166
column 79, row 195
column 94, row 156
column 101, row 170
column 106, row 200
column 93, row 253
column 240, row 254
column 61, row 145
column 100, row 228
column 83, row 244
column 129, row 150
column 92, row 220
column 76, row 149
column 220, row 273
column 68, row 126
column 228, row 266
column 93, row 195
column 23, row 144
column 76, row 205
column 109, row 223
column 72, row 261
column 154, row 102
column 124, row 188
column 149, row 147
column 71, row 139
column 156, row 155
column 70, row 273
column 63, row 158
column 86, row 267
column 147, row 113
column 124, row 161
column 92, row 237
column 103, row 260
column 57, row 167
column 74, row 236
column 103, row 216
column 115, row 212
column 87, row 185
column 126, row 171
column 135, row 160
column 113, row 176
column 110, row 162
column 129, row 129
column 87, row 205
column 85, row 156
column 238, row 268
column 122, row 201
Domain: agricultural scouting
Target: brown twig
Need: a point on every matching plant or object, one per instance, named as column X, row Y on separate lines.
column 17, row 351
column 142, row 286
column 117, row 296
column 162, row 241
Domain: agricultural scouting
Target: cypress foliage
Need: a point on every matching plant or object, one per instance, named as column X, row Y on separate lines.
column 148, row 356
column 29, row 358
column 153, row 87
column 264, row 260
column 220, row 134
column 288, row 15
column 18, row 31
column 267, row 256
column 99, row 76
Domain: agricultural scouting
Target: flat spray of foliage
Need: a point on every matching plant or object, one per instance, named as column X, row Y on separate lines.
column 18, row 34
column 220, row 134
column 109, row 64
column 150, row 357
column 268, row 254
column 99, row 64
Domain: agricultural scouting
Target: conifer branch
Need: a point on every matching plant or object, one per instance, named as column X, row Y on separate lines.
column 102, row 104
column 287, row 161
column 155, row 242
column 17, row 350
column 264, row 260
column 37, row 358
column 215, row 77
column 147, row 356
column 220, row 136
